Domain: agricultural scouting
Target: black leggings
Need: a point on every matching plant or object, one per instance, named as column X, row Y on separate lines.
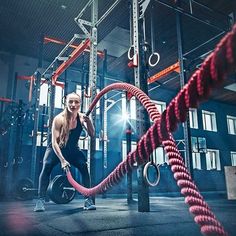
column 75, row 157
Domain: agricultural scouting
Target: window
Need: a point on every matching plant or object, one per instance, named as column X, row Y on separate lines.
column 233, row 158
column 43, row 98
column 124, row 148
column 161, row 106
column 209, row 120
column 196, row 160
column 132, row 107
column 213, row 159
column 193, row 118
column 231, row 123
column 199, row 144
column 159, row 156
column 38, row 140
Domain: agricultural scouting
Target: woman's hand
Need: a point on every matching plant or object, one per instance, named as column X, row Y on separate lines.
column 64, row 164
column 86, row 119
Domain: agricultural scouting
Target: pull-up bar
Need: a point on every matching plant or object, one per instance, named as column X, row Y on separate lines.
column 76, row 36
column 71, row 59
column 61, row 42
column 175, row 67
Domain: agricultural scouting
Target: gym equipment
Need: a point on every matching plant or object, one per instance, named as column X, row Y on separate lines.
column 59, row 190
column 145, row 174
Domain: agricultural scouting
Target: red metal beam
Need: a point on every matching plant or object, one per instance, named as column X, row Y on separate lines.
column 24, row 77
column 175, row 67
column 57, row 83
column 57, row 41
column 5, row 99
column 71, row 59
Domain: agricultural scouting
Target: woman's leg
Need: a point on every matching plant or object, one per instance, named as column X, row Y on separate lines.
column 49, row 161
column 78, row 160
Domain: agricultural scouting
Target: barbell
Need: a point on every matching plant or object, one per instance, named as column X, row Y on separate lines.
column 59, row 190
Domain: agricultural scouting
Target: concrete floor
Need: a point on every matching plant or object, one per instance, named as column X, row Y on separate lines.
column 167, row 216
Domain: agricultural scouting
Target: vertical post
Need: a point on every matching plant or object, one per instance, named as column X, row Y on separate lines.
column 82, row 84
column 183, row 81
column 102, row 115
column 14, row 87
column 153, row 48
column 128, row 144
column 92, row 84
column 105, row 135
column 35, row 130
column 8, row 141
column 51, row 93
column 42, row 127
column 65, row 83
column 18, row 141
column 36, row 111
column 140, row 79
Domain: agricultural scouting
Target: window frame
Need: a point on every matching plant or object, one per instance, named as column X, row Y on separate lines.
column 229, row 126
column 193, row 118
column 59, row 93
column 217, row 164
column 196, row 160
column 212, row 120
column 233, row 158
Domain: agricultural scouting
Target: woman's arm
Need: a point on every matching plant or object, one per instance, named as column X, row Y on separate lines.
column 56, row 127
column 89, row 125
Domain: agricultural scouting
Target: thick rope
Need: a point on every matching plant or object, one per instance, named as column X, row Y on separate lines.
column 214, row 69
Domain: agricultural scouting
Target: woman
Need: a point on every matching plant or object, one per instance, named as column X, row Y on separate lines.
column 66, row 130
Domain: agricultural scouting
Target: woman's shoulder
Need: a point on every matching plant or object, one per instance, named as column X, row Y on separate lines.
column 59, row 117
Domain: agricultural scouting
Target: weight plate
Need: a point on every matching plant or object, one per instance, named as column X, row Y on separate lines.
column 60, row 191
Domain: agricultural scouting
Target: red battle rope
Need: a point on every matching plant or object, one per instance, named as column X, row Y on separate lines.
column 215, row 68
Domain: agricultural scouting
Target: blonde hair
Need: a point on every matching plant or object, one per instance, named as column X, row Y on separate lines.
column 64, row 132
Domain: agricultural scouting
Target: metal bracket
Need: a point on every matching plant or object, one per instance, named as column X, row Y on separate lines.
column 143, row 4
column 81, row 24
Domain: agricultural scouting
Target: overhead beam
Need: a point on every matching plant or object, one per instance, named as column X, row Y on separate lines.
column 77, row 52
column 175, row 67
column 61, row 42
column 60, row 54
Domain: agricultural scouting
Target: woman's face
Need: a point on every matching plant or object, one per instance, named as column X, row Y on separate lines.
column 73, row 102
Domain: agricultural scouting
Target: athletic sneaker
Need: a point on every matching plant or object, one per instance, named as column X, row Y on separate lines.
column 89, row 205
column 39, row 207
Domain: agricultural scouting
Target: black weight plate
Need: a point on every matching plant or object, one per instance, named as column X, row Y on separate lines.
column 56, row 190
column 19, row 192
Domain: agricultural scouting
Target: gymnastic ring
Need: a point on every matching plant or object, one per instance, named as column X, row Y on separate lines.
column 129, row 51
column 145, row 174
column 150, row 59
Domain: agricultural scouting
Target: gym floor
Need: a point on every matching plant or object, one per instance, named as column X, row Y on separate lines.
column 167, row 216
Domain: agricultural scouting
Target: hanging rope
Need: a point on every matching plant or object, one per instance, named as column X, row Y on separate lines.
column 215, row 68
